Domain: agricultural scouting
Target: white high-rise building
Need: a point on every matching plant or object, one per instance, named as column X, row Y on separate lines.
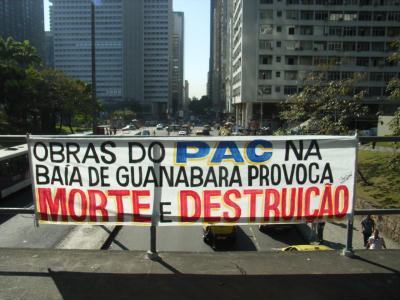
column 274, row 43
column 132, row 48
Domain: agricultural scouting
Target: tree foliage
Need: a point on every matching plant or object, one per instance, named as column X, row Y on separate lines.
column 33, row 99
column 324, row 107
column 394, row 88
column 202, row 108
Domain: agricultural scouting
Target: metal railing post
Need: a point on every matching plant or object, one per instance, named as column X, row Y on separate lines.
column 152, row 252
column 348, row 251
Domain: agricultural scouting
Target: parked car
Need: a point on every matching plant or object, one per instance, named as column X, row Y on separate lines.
column 129, row 127
column 182, row 132
column 160, row 126
column 295, row 248
column 215, row 234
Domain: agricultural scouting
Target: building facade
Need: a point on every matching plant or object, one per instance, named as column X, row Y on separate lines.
column 132, row 48
column 177, row 66
column 216, row 74
column 49, row 49
column 294, row 37
column 23, row 20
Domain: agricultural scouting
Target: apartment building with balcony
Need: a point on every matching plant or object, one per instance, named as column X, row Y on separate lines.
column 275, row 43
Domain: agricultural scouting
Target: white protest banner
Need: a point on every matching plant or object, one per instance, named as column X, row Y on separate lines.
column 183, row 180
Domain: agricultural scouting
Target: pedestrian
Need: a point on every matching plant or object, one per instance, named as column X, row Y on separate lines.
column 320, row 232
column 368, row 226
column 375, row 242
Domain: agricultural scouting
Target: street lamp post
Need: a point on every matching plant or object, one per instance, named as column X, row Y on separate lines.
column 93, row 34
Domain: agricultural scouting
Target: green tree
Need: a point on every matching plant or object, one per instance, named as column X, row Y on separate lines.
column 33, row 99
column 324, row 107
column 394, row 88
column 201, row 108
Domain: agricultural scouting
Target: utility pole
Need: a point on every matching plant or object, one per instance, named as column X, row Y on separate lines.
column 94, row 102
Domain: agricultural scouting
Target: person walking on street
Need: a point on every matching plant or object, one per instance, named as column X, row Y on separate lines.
column 375, row 242
column 368, row 226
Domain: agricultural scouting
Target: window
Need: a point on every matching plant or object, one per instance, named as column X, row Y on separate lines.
column 306, row 15
column 350, row 16
column 278, row 29
column 265, row 59
column 376, row 76
column 277, row 89
column 365, row 16
column 393, row 31
column 264, row 90
column 349, row 31
column 266, row 1
column 306, row 30
column 335, row 30
column 265, row 29
column 278, row 44
column 333, row 75
column 290, row 89
column 264, row 44
column 362, row 61
column 292, row 14
column 387, row 76
column 291, row 30
column 291, row 60
column 264, row 74
column 394, row 16
column 378, row 31
column 278, row 59
column 375, row 91
column 266, row 14
column 334, row 46
column 321, row 15
column 279, row 13
column 349, row 46
column 305, row 60
column 364, row 31
column 379, row 16
column 363, row 46
column 347, row 75
column 277, row 74
column 290, row 75
column 336, row 16
column 377, row 46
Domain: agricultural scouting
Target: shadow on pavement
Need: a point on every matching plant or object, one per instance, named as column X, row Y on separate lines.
column 74, row 285
column 289, row 236
column 333, row 245
column 342, row 225
column 21, row 199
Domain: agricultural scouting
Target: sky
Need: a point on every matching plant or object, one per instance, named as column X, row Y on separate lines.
column 197, row 41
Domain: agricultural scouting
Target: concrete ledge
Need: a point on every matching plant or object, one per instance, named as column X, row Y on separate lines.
column 85, row 274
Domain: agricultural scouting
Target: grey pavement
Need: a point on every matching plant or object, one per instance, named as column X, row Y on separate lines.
column 87, row 274
column 190, row 238
column 335, row 235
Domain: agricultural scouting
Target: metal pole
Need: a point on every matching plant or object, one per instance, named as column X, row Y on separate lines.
column 152, row 252
column 94, row 102
column 348, row 251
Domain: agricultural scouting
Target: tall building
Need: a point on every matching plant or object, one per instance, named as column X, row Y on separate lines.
column 177, row 65
column 49, row 49
column 186, row 97
column 293, row 37
column 218, row 46
column 23, row 20
column 132, row 48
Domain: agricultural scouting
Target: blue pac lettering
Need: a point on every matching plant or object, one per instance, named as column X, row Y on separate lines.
column 220, row 152
column 182, row 153
column 251, row 151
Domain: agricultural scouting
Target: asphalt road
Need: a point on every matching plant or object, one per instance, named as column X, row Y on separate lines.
column 190, row 239
column 19, row 230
